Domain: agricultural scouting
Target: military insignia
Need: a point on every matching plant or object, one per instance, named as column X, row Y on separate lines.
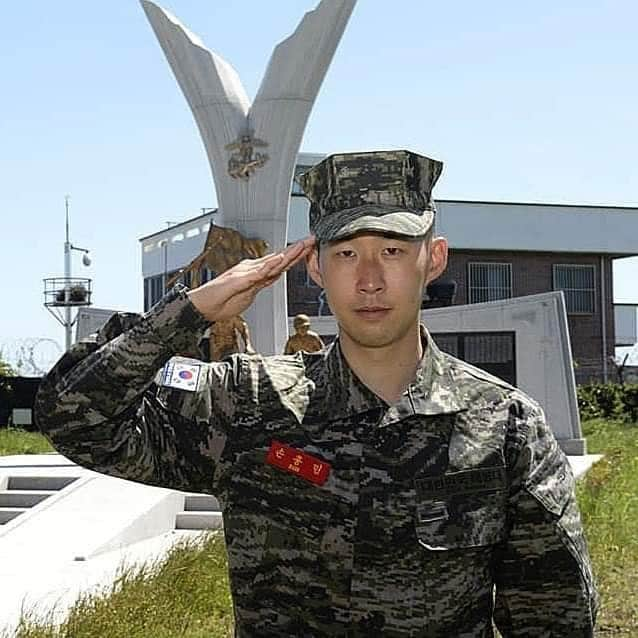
column 480, row 479
column 244, row 160
column 298, row 462
column 182, row 376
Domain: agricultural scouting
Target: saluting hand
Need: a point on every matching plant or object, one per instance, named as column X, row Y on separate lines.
column 234, row 290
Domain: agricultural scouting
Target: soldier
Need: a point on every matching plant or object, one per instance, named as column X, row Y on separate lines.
column 376, row 488
column 304, row 338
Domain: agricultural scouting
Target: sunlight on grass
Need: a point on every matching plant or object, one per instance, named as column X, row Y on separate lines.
column 16, row 441
column 185, row 594
column 608, row 498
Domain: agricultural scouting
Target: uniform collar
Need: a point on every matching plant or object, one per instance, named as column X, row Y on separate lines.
column 432, row 392
column 435, row 389
column 332, row 391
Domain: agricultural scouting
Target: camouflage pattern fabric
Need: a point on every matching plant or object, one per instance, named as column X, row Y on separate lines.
column 378, row 191
column 431, row 505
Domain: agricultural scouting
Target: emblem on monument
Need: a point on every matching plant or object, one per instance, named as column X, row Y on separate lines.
column 244, row 161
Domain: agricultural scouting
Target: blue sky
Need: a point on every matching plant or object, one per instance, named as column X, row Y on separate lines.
column 522, row 101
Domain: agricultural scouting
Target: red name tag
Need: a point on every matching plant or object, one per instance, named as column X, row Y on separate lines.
column 297, row 462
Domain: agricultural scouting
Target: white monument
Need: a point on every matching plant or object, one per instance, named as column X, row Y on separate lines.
column 252, row 148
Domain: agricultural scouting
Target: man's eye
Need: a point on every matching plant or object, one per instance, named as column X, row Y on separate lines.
column 346, row 253
column 393, row 251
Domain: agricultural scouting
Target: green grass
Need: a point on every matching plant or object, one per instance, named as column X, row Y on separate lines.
column 16, row 441
column 608, row 497
column 187, row 595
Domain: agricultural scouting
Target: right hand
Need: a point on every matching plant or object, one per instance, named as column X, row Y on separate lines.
column 229, row 294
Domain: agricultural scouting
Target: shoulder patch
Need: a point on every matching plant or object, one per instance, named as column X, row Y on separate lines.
column 181, row 375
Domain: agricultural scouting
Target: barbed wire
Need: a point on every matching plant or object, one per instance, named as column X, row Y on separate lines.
column 30, row 356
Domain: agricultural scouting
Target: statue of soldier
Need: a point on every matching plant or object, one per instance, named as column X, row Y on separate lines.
column 229, row 336
column 304, row 339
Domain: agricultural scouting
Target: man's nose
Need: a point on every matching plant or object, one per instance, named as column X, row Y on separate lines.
column 370, row 278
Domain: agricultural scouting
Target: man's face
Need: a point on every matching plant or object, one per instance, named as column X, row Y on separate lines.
column 374, row 283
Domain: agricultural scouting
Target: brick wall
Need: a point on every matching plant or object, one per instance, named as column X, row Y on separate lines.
column 532, row 273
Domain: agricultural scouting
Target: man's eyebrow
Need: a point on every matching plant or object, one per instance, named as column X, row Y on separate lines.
column 389, row 236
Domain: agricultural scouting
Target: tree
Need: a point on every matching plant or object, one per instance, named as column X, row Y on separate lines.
column 5, row 368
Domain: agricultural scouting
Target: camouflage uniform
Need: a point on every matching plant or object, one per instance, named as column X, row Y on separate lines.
column 433, row 516
column 430, row 504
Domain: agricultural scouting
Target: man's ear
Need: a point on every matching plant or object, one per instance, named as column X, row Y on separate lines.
column 312, row 266
column 437, row 261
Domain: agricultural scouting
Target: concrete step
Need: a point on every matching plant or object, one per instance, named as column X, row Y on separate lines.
column 23, row 498
column 198, row 520
column 201, row 503
column 39, row 483
column 9, row 513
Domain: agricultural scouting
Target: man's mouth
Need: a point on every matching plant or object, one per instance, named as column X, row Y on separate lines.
column 372, row 312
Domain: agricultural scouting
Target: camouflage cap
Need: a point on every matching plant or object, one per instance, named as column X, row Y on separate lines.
column 378, row 191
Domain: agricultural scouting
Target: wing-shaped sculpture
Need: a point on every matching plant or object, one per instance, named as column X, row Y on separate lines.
column 211, row 85
column 252, row 150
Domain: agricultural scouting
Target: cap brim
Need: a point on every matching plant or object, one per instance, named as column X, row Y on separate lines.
column 411, row 225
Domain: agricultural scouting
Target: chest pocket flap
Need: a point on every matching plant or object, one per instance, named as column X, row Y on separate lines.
column 461, row 509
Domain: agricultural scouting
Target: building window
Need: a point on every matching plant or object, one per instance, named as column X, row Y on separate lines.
column 153, row 291
column 577, row 284
column 489, row 281
column 296, row 188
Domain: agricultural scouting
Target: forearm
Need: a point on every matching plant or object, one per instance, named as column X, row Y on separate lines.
column 100, row 408
column 106, row 381
column 95, row 405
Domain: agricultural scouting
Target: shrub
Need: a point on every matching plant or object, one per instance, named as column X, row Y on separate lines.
column 608, row 401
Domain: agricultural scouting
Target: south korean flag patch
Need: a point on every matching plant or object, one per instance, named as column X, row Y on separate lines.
column 181, row 375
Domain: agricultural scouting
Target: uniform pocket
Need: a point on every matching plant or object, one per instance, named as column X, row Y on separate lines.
column 456, row 524
column 461, row 510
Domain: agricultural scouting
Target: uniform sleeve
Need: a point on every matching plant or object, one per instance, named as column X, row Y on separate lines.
column 101, row 407
column 544, row 582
